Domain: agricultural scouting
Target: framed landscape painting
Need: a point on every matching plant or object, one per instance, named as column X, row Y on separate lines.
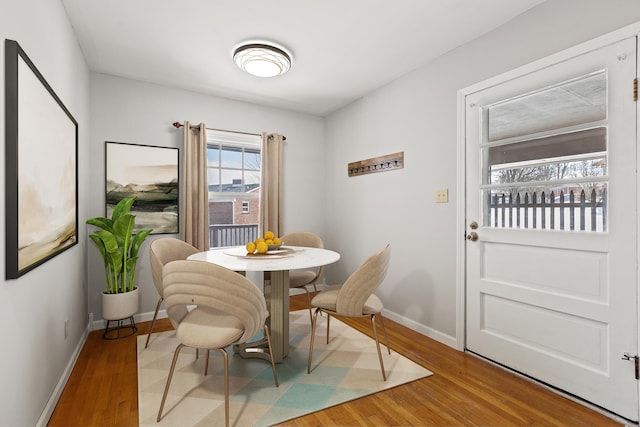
column 150, row 174
column 41, row 170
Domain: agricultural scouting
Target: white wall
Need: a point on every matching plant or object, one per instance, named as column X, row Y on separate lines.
column 135, row 112
column 35, row 354
column 417, row 114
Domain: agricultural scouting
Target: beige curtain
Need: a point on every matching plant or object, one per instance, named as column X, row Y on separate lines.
column 271, row 184
column 194, row 222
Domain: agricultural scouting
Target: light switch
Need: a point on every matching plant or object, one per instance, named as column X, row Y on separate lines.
column 442, row 196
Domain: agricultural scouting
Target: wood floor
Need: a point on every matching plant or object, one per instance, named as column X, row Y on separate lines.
column 464, row 390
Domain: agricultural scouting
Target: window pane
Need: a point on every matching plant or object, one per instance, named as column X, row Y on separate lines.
column 570, row 103
column 213, row 156
column 231, row 157
column 252, row 160
column 213, row 179
column 252, row 179
column 231, row 181
column 566, row 156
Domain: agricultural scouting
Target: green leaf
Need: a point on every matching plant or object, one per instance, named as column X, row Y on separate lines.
column 115, row 261
column 108, row 240
column 122, row 229
column 103, row 223
column 98, row 241
column 138, row 239
column 122, row 208
column 131, row 268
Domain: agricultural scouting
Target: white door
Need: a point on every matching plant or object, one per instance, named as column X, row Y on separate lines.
column 551, row 285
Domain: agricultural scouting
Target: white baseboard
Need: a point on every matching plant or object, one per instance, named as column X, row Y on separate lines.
column 55, row 396
column 140, row 317
column 422, row 329
column 411, row 324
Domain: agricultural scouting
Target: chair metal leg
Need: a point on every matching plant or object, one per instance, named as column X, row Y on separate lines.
column 226, row 385
column 309, row 303
column 384, row 331
column 314, row 321
column 328, row 320
column 273, row 365
column 166, row 388
column 375, row 335
column 153, row 322
column 206, row 364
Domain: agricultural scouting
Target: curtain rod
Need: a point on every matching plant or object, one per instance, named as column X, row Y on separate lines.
column 178, row 125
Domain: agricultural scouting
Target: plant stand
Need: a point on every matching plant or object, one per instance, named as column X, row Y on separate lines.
column 119, row 308
column 121, row 330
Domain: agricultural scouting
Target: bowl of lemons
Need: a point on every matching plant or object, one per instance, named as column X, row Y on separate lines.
column 262, row 245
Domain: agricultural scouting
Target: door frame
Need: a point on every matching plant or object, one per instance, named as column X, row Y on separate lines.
column 632, row 30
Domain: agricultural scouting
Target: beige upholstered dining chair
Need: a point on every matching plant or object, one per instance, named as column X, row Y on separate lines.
column 302, row 278
column 230, row 309
column 161, row 252
column 355, row 298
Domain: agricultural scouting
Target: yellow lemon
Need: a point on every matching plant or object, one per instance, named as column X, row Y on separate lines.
column 259, row 240
column 269, row 235
column 276, row 241
column 262, row 247
column 269, row 242
column 251, row 247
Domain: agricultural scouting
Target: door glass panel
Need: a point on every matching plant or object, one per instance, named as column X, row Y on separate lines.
column 575, row 102
column 551, row 182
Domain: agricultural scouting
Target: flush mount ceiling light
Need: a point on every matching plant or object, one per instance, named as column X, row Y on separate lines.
column 262, row 60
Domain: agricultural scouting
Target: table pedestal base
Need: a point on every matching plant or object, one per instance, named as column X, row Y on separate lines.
column 254, row 350
column 279, row 314
column 278, row 321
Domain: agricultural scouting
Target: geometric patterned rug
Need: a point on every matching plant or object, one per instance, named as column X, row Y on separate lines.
column 345, row 369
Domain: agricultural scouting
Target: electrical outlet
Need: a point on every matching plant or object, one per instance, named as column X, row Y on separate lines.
column 66, row 329
column 442, row 196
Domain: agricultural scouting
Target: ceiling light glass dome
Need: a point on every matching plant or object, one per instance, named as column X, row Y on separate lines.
column 262, row 60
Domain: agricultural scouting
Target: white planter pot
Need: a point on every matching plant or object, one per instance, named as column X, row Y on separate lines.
column 120, row 306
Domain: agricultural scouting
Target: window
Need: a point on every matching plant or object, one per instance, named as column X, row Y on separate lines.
column 545, row 158
column 233, row 174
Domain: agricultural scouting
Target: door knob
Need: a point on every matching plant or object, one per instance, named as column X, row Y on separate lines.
column 473, row 236
column 473, row 225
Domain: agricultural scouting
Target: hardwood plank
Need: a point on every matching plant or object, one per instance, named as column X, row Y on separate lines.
column 464, row 390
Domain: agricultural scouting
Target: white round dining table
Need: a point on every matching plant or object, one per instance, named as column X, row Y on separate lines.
column 278, row 262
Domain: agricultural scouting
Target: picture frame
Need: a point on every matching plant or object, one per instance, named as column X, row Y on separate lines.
column 151, row 174
column 41, row 170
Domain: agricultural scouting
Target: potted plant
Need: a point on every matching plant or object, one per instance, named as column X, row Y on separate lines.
column 119, row 247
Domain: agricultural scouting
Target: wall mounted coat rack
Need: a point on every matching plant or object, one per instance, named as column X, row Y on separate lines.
column 377, row 164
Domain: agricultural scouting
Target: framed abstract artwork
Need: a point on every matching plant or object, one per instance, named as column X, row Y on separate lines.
column 150, row 174
column 41, row 171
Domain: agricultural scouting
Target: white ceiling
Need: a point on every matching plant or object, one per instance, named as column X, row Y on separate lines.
column 342, row 49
